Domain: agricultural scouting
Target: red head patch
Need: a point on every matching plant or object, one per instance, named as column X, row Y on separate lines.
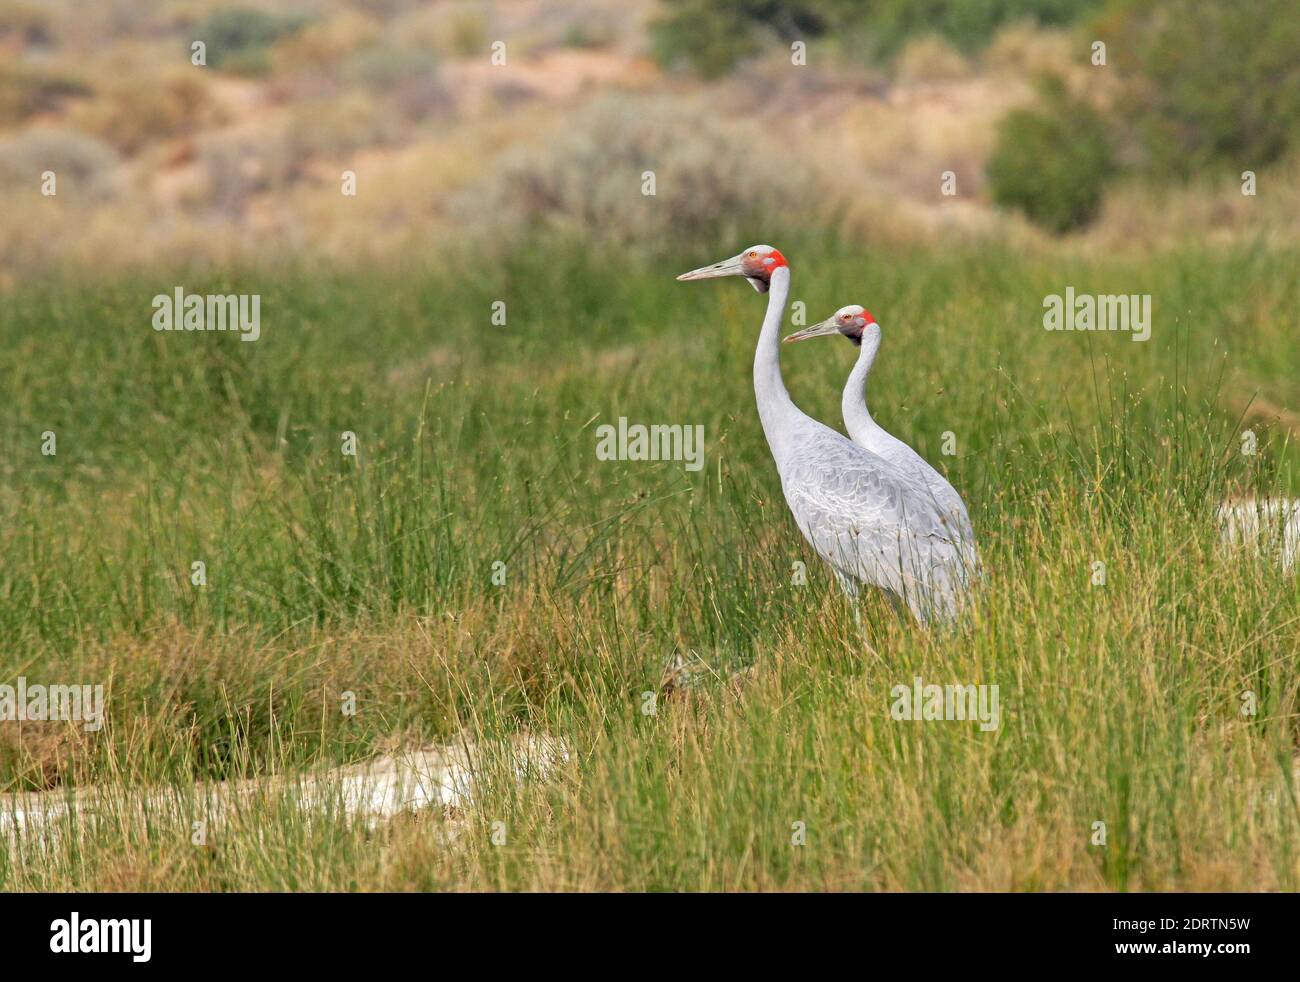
column 759, row 262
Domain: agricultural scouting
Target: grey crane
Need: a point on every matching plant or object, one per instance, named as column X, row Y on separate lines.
column 855, row 323
column 870, row 522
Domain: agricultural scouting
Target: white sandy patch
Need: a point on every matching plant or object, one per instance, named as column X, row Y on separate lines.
column 1271, row 525
column 369, row 792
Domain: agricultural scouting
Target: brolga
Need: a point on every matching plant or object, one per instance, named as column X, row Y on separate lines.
column 856, row 323
column 870, row 522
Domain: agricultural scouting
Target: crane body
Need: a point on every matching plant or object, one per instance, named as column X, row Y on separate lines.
column 871, row 522
column 857, row 324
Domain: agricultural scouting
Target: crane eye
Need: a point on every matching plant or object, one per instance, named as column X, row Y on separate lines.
column 752, row 253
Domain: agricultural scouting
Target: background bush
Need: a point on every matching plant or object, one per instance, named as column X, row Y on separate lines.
column 1052, row 163
column 84, row 161
column 133, row 112
column 240, row 39
column 711, row 47
column 588, row 183
column 712, row 37
column 27, row 91
column 1213, row 84
column 968, row 24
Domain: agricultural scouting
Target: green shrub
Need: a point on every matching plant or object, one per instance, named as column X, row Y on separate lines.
column 968, row 24
column 709, row 39
column 334, row 128
column 133, row 112
column 1212, row 83
column 712, row 37
column 27, row 92
column 469, row 34
column 1052, row 163
column 590, row 34
column 384, row 67
column 410, row 77
column 80, row 162
column 239, row 39
column 589, row 181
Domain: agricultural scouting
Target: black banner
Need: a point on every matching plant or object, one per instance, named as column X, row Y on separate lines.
column 453, row 931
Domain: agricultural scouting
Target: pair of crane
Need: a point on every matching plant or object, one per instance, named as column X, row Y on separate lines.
column 870, row 506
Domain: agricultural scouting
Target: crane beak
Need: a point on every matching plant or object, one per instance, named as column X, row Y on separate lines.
column 728, row 267
column 817, row 330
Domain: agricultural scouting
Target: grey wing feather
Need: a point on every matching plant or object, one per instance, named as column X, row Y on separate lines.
column 873, row 524
column 894, row 451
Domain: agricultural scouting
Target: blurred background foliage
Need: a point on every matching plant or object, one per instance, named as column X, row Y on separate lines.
column 712, row 37
column 1205, row 84
column 1210, row 84
column 243, row 157
column 1053, row 163
column 588, row 186
column 241, row 38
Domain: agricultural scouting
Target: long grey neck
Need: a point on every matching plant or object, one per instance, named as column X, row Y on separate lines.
column 776, row 410
column 857, row 418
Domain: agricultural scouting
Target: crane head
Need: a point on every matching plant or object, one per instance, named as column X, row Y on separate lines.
column 852, row 321
column 756, row 264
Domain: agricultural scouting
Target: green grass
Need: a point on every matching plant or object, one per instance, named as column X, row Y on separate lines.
column 328, row 574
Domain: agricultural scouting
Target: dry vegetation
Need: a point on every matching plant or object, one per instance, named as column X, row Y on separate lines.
column 243, row 158
column 371, row 575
